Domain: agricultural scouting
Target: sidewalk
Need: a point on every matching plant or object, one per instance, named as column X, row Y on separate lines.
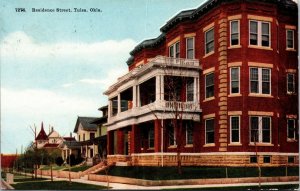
column 136, row 187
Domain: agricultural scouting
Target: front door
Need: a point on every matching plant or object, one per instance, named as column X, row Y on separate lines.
column 91, row 153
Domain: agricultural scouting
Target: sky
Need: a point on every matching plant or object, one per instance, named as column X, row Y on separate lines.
column 55, row 66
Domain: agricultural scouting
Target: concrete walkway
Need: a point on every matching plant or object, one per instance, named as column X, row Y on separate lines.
column 136, row 187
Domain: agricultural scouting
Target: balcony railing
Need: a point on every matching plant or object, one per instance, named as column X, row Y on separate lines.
column 162, row 106
column 161, row 61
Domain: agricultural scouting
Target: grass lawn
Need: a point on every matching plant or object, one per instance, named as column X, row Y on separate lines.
column 264, row 187
column 53, row 167
column 23, row 178
column 170, row 173
column 56, row 185
column 78, row 168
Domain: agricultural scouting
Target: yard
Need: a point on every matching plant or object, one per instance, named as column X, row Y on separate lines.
column 170, row 173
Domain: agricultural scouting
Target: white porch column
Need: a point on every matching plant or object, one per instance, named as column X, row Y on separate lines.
column 157, row 88
column 109, row 109
column 134, row 96
column 94, row 150
column 138, row 101
column 119, row 103
column 162, row 88
column 196, row 90
column 86, row 151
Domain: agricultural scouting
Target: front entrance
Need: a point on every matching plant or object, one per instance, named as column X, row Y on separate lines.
column 91, row 153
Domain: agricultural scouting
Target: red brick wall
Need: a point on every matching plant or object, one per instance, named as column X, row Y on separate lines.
column 280, row 104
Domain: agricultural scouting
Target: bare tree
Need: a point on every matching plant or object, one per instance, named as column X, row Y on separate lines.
column 177, row 83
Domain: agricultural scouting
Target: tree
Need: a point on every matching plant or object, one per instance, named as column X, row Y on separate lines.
column 179, row 97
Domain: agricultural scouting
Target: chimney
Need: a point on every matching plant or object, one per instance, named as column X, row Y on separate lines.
column 70, row 134
column 52, row 129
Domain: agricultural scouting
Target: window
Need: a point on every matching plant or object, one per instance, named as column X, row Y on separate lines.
column 209, row 85
column 290, row 83
column 259, row 33
column 190, row 89
column 209, row 131
column 290, row 39
column 174, row 50
column 92, row 135
column 190, row 48
column 78, row 137
column 253, row 159
column 235, row 129
column 235, row 80
column 172, row 135
column 189, row 133
column 260, row 80
column 209, row 41
column 234, row 33
column 267, row 159
column 83, row 137
column 151, row 137
column 260, row 129
column 291, row 129
column 114, row 106
column 291, row 159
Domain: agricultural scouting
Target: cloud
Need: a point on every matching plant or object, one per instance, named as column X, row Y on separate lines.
column 55, row 82
column 42, row 103
column 19, row 44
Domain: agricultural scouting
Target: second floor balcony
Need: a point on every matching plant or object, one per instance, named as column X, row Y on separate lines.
column 161, row 88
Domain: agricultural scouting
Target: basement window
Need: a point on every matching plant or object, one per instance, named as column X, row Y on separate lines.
column 291, row 159
column 253, row 159
column 267, row 159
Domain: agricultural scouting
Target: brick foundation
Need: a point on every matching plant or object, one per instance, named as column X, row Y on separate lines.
column 187, row 159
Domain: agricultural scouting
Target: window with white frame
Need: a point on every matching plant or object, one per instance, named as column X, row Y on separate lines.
column 260, row 80
column 209, row 41
column 259, row 33
column 234, row 32
column 290, row 83
column 174, row 50
column 209, row 131
column 189, row 132
column 291, row 129
column 235, row 129
column 190, row 53
column 260, row 129
column 234, row 80
column 172, row 135
column 290, row 39
column 151, row 137
column 190, row 89
column 209, row 85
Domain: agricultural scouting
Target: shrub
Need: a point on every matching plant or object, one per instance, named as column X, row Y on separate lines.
column 59, row 161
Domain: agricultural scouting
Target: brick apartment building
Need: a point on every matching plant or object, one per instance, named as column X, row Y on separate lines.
column 232, row 65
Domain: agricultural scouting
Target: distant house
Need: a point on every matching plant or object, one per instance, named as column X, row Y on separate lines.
column 42, row 138
column 101, row 135
column 7, row 161
column 70, row 146
column 86, row 132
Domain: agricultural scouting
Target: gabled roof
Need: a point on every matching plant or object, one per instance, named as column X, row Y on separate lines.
column 42, row 134
column 86, row 124
column 71, row 144
column 99, row 121
column 51, row 145
column 69, row 138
